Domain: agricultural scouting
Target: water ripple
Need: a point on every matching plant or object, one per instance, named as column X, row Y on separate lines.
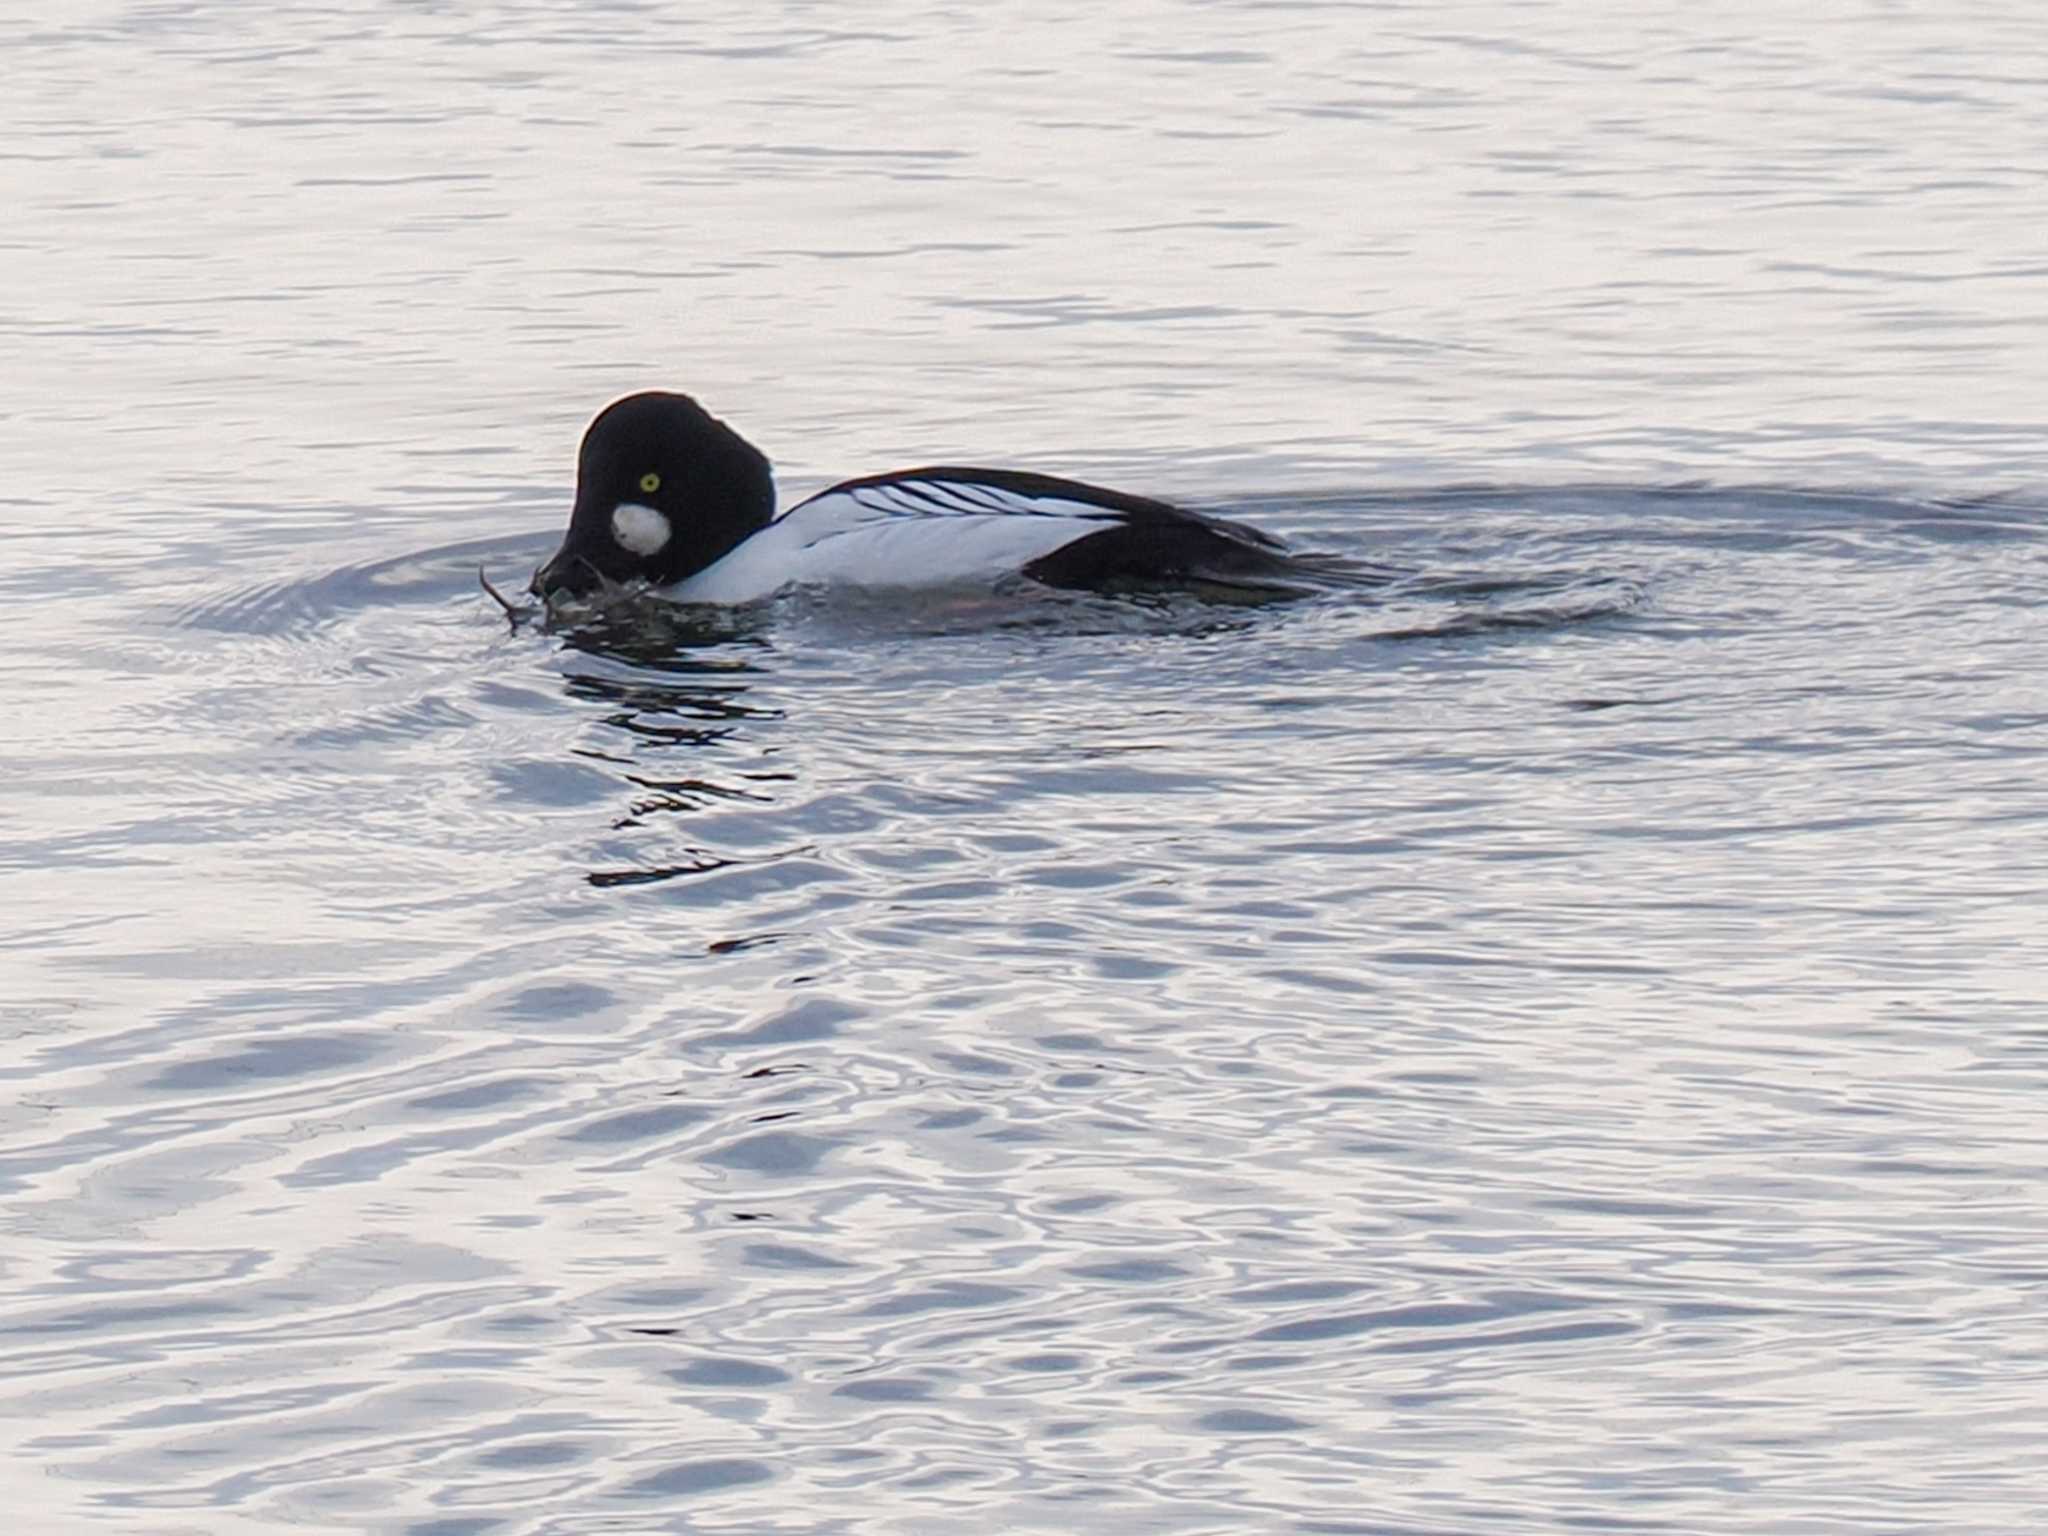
column 1549, row 1039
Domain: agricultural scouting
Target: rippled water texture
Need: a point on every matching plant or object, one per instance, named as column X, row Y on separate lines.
column 1555, row 1045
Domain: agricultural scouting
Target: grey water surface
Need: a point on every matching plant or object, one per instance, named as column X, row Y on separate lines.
column 1557, row 1044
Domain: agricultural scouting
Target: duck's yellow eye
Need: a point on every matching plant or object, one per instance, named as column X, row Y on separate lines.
column 650, row 482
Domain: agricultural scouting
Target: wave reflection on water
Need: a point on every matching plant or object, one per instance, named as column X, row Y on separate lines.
column 1555, row 1041
column 1552, row 1043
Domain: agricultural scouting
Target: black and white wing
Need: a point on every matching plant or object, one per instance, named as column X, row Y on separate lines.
column 945, row 526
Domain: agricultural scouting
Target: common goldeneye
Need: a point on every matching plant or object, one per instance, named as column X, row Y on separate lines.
column 670, row 497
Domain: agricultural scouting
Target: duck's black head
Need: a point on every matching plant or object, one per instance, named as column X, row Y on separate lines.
column 663, row 488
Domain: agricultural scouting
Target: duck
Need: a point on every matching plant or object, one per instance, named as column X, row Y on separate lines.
column 672, row 501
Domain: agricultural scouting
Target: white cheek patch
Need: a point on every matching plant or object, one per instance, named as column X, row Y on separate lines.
column 639, row 530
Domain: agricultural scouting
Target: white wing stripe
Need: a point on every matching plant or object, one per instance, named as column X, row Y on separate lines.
column 949, row 498
column 983, row 497
column 942, row 494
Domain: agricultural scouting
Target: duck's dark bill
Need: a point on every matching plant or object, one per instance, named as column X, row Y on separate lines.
column 584, row 564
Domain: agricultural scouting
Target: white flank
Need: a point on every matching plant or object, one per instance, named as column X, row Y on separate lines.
column 875, row 537
column 641, row 530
